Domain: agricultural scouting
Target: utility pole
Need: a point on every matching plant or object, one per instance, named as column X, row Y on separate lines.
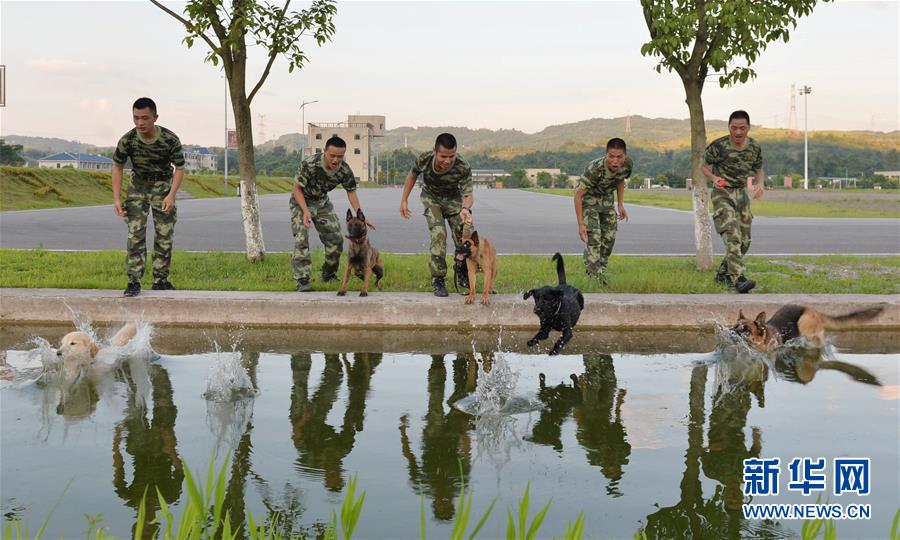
column 805, row 91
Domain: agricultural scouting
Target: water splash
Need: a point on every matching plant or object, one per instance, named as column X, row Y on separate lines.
column 228, row 380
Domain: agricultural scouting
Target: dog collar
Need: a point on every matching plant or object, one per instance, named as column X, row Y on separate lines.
column 357, row 240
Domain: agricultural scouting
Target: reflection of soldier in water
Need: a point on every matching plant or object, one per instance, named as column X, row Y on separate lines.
column 446, row 446
column 599, row 419
column 720, row 515
column 151, row 444
column 321, row 447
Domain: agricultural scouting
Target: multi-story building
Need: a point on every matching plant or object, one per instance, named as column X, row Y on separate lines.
column 358, row 132
column 198, row 158
column 76, row 160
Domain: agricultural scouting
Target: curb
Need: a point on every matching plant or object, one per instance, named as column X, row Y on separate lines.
column 409, row 310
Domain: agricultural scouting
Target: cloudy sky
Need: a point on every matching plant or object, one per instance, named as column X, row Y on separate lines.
column 74, row 68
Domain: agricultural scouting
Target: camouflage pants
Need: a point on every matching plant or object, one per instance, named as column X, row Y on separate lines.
column 142, row 198
column 732, row 218
column 601, row 222
column 329, row 228
column 438, row 209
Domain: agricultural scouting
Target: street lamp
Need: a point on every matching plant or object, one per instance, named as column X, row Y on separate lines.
column 303, row 125
column 805, row 91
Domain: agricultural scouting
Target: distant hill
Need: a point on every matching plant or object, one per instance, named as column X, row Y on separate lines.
column 578, row 137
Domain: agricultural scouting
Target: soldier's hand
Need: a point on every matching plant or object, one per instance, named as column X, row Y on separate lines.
column 307, row 220
column 404, row 210
column 720, row 182
column 582, row 232
column 117, row 208
column 466, row 216
column 168, row 203
column 623, row 214
column 758, row 191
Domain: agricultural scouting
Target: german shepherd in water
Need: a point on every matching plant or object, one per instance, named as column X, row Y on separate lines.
column 793, row 321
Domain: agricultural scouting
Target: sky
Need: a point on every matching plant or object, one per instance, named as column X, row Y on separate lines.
column 74, row 68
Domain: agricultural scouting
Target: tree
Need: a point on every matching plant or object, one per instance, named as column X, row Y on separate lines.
column 10, row 154
column 519, row 178
column 692, row 36
column 544, row 179
column 225, row 30
column 561, row 180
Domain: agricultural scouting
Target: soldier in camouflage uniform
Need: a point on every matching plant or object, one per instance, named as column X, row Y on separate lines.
column 153, row 150
column 446, row 195
column 729, row 162
column 310, row 205
column 597, row 217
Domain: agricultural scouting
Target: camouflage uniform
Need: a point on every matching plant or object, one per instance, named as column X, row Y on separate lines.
column 442, row 195
column 151, row 181
column 598, row 211
column 731, row 204
column 315, row 181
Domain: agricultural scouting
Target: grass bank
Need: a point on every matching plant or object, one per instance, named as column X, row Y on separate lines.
column 30, row 188
column 408, row 273
column 847, row 203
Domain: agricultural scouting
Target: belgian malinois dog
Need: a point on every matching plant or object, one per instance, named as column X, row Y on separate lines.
column 793, row 321
column 480, row 256
column 363, row 259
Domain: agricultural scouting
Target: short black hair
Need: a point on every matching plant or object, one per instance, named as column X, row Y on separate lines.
column 446, row 140
column 145, row 103
column 739, row 114
column 616, row 144
column 336, row 142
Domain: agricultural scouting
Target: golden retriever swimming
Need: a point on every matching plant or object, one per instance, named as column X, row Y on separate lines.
column 78, row 350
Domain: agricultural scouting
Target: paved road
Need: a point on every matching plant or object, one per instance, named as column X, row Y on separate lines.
column 517, row 222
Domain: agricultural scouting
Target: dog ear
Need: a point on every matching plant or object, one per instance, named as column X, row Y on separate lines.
column 761, row 319
column 475, row 237
column 528, row 294
column 349, row 214
column 94, row 349
column 741, row 315
column 360, row 215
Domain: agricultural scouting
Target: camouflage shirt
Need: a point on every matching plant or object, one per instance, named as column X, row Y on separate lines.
column 315, row 180
column 733, row 164
column 599, row 182
column 150, row 160
column 455, row 182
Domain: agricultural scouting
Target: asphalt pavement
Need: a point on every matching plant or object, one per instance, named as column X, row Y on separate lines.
column 515, row 221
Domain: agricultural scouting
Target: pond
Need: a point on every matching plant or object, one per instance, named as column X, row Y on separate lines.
column 638, row 430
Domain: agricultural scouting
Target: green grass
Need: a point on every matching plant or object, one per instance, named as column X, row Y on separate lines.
column 760, row 207
column 30, row 188
column 408, row 273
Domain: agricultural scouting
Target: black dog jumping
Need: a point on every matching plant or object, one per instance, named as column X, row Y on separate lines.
column 558, row 308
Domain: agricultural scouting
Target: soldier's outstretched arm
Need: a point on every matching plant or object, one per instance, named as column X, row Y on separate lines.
column 404, row 199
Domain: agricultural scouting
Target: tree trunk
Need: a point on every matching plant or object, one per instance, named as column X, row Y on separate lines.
column 256, row 247
column 702, row 235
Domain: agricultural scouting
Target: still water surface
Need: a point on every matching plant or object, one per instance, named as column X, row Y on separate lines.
column 634, row 440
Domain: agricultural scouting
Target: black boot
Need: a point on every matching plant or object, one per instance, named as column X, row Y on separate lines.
column 744, row 285
column 438, row 286
column 133, row 288
column 162, row 285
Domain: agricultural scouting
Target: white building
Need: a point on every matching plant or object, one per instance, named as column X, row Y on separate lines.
column 358, row 132
column 197, row 158
column 76, row 160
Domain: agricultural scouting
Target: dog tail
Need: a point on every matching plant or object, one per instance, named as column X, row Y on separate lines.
column 560, row 268
column 850, row 319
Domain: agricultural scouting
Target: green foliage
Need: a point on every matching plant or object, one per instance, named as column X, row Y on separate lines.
column 350, row 510
column 10, row 154
column 574, row 531
column 691, row 37
column 521, row 533
column 544, row 179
